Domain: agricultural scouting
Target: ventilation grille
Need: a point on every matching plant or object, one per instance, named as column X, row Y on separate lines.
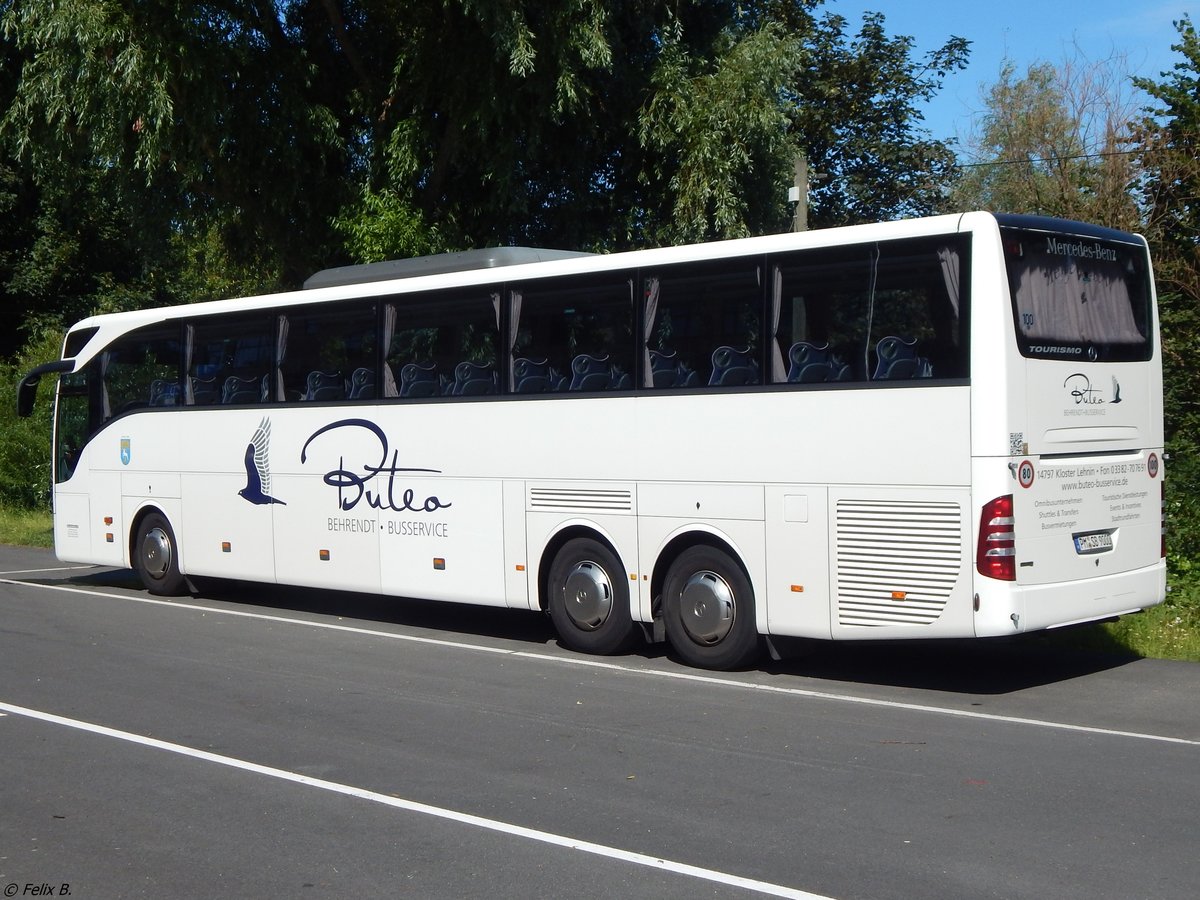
column 897, row 561
column 581, row 499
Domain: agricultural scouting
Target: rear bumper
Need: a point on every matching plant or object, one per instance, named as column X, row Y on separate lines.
column 1012, row 609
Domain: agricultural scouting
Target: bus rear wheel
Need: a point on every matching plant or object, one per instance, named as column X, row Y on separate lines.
column 708, row 605
column 589, row 598
column 156, row 556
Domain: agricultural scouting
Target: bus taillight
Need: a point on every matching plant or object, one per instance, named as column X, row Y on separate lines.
column 996, row 553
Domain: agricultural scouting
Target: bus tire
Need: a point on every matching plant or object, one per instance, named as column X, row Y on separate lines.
column 708, row 605
column 588, row 598
column 156, row 556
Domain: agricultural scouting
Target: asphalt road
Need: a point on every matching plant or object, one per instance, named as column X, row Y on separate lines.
column 267, row 742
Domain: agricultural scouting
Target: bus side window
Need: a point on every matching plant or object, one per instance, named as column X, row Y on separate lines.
column 441, row 345
column 702, row 324
column 819, row 307
column 141, row 369
column 325, row 353
column 917, row 326
column 575, row 336
column 228, row 359
column 880, row 312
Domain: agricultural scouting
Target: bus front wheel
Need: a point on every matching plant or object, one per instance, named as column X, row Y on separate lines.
column 709, row 610
column 156, row 556
column 589, row 598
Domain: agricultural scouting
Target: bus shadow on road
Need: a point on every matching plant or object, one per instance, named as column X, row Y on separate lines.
column 980, row 666
column 444, row 618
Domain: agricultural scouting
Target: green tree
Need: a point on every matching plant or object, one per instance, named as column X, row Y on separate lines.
column 1168, row 143
column 73, row 239
column 161, row 152
column 25, row 443
column 716, row 129
column 616, row 125
column 274, row 136
column 856, row 114
column 1054, row 141
column 219, row 113
column 501, row 123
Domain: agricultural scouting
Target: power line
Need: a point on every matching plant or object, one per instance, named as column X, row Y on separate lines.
column 1048, row 159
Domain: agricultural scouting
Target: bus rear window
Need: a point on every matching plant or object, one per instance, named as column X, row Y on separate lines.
column 1078, row 297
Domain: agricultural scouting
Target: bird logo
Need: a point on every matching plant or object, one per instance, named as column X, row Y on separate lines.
column 258, row 472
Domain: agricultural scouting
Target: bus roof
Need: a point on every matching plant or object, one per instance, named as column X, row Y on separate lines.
column 472, row 267
column 440, row 264
column 1046, row 223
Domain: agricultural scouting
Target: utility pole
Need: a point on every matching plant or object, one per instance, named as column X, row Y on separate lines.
column 799, row 194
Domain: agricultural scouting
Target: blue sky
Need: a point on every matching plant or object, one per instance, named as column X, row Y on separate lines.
column 1024, row 31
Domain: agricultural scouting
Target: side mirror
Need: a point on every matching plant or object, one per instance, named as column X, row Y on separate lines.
column 27, row 389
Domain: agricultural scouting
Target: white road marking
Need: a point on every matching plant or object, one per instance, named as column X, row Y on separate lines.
column 584, row 662
column 36, row 571
column 520, row 831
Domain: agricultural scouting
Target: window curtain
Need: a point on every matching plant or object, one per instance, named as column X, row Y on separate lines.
column 867, row 367
column 390, row 316
column 778, row 367
column 189, row 341
column 281, row 336
column 1075, row 301
column 105, row 405
column 514, row 329
column 952, row 274
column 650, row 311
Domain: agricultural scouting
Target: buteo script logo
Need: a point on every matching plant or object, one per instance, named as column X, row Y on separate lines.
column 380, row 485
column 1083, row 392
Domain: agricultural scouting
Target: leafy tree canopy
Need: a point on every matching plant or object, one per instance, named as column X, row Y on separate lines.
column 1055, row 141
column 1168, row 147
column 159, row 151
column 1170, row 154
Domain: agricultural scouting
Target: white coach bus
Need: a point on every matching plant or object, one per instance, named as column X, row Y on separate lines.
column 943, row 427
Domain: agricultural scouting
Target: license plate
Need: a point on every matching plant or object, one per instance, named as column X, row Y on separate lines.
column 1098, row 542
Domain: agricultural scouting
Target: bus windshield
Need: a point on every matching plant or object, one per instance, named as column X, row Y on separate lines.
column 1078, row 297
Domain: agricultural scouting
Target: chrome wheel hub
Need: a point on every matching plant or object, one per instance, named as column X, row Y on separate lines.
column 156, row 553
column 706, row 607
column 588, row 595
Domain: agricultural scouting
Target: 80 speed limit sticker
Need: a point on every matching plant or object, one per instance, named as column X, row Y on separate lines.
column 1025, row 473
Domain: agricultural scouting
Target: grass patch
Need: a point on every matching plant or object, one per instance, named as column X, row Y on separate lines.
column 26, row 527
column 1170, row 630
